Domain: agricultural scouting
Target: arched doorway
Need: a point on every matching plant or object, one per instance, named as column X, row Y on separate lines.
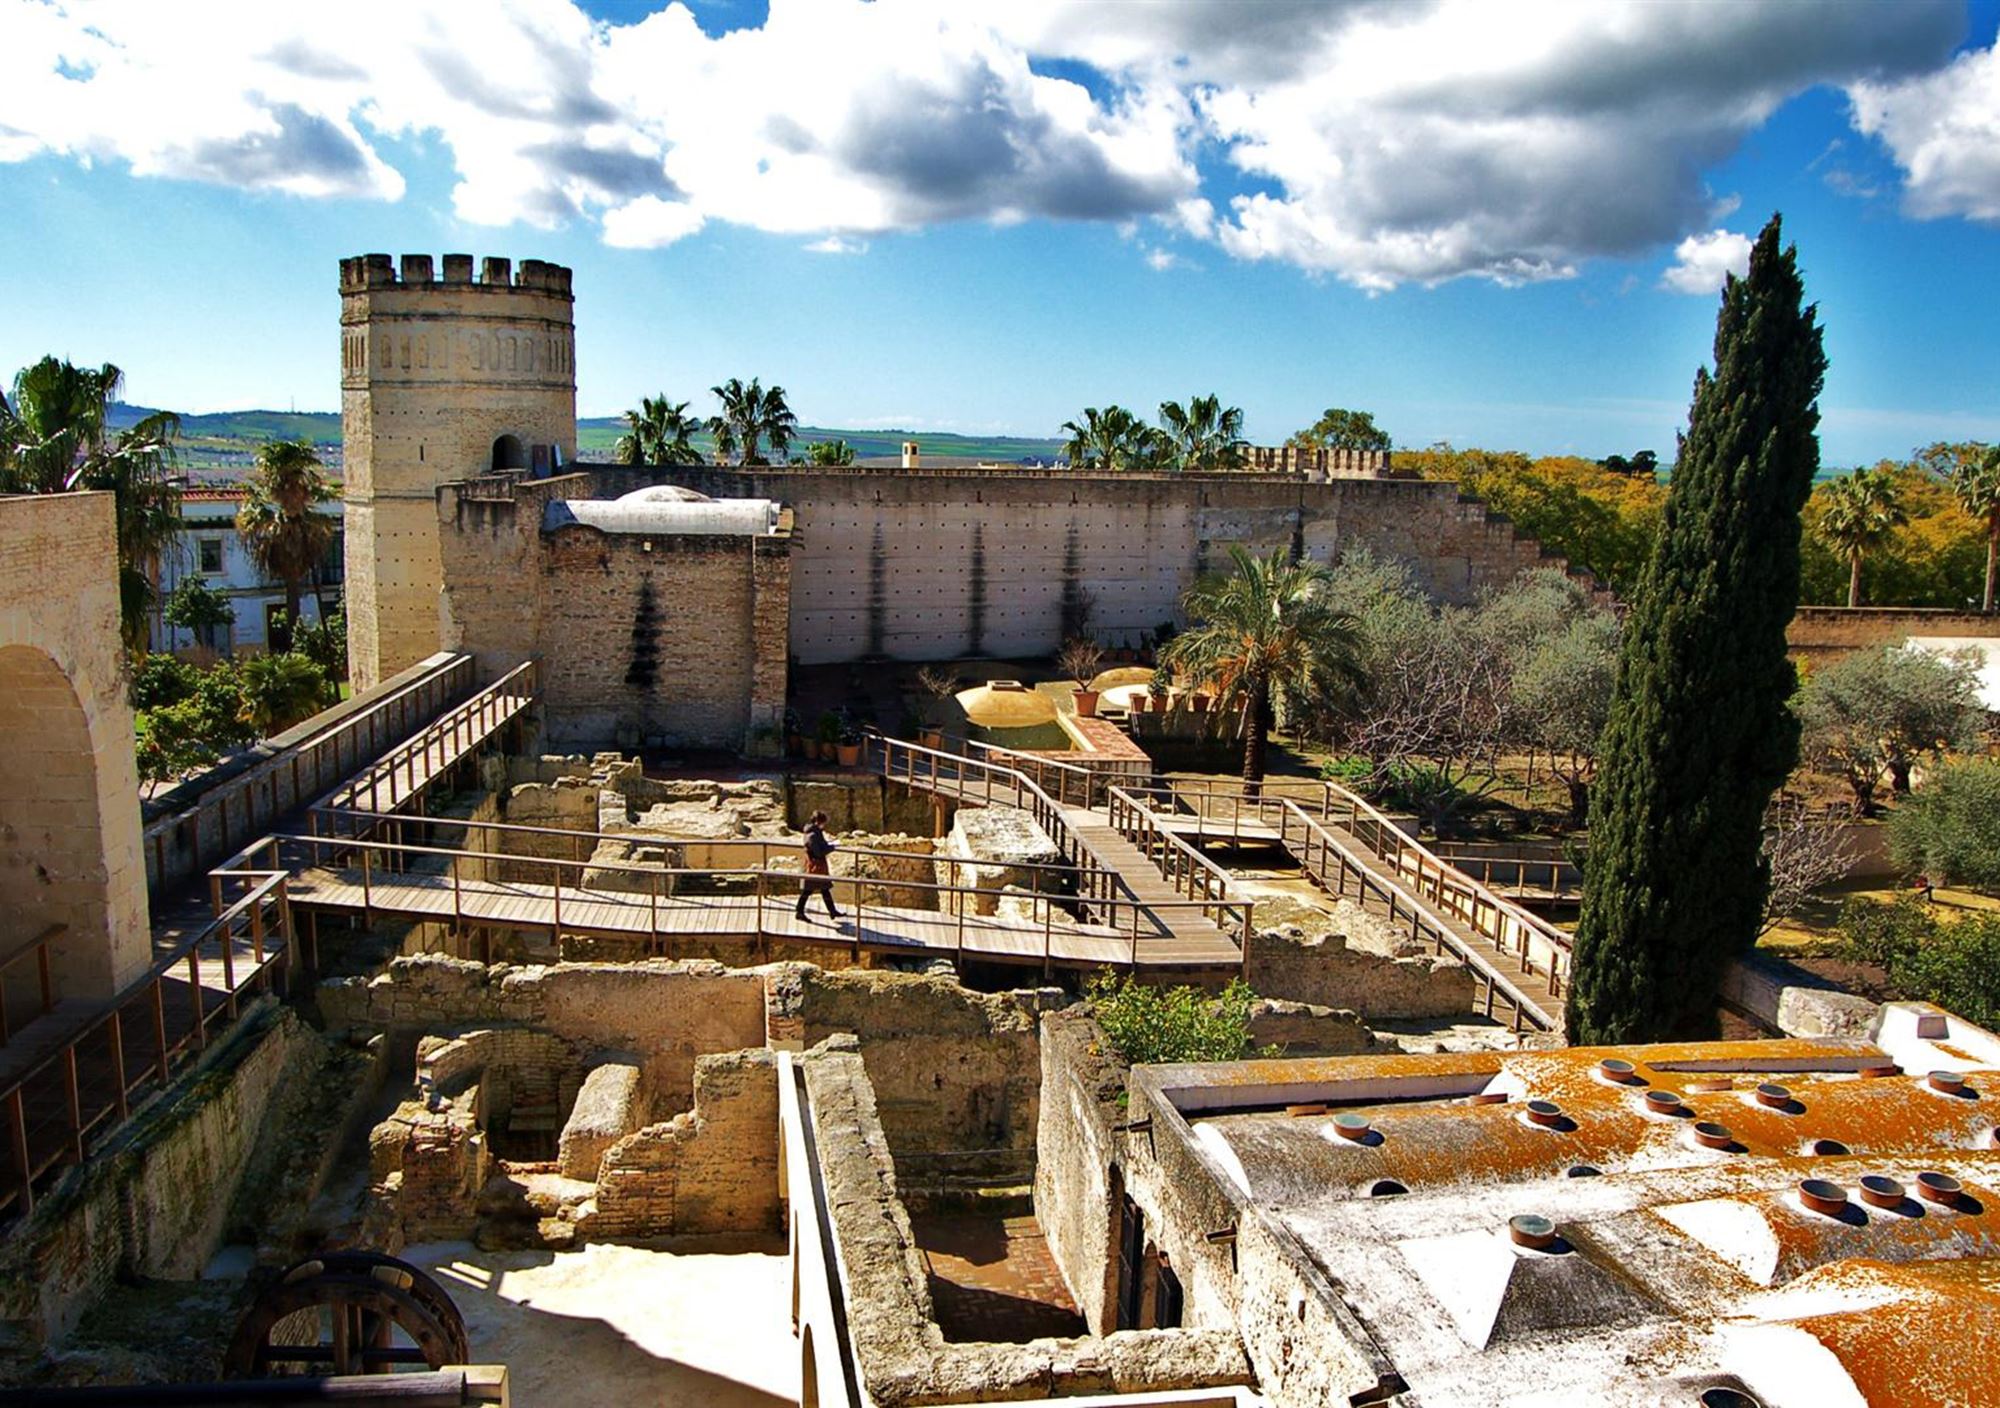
column 53, row 868
column 509, row 453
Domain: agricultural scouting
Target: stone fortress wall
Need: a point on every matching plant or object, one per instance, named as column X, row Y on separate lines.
column 440, row 377
column 930, row 565
column 668, row 640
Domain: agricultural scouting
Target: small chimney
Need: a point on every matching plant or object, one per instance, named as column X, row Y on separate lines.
column 1880, row 1191
column 912, row 455
column 1823, row 1196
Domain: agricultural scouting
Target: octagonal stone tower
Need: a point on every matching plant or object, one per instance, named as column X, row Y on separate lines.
column 440, row 379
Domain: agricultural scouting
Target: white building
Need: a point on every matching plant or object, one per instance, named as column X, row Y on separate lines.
column 209, row 547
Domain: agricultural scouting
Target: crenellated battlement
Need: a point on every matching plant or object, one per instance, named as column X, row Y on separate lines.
column 365, row 272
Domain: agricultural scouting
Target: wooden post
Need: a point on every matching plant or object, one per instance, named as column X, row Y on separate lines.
column 196, row 1004
column 160, row 1028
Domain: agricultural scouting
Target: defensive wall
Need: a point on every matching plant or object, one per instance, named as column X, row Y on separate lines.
column 1825, row 633
column 69, row 804
column 440, row 377
column 939, row 564
column 644, row 638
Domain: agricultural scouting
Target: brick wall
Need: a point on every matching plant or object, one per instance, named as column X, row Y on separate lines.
column 670, row 640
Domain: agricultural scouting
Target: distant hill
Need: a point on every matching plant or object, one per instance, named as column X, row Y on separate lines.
column 220, row 446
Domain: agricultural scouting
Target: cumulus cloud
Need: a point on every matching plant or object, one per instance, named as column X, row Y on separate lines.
column 1701, row 261
column 837, row 244
column 1379, row 141
column 1943, row 129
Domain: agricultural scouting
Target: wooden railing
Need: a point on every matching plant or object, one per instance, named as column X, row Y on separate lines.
column 378, row 864
column 985, row 784
column 36, row 948
column 90, row 1082
column 304, row 764
column 1192, row 874
column 1069, row 784
column 1342, row 841
column 405, row 770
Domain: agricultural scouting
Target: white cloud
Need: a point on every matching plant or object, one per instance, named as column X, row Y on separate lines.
column 1161, row 260
column 1379, row 143
column 838, row 244
column 1701, row 261
column 1943, row 129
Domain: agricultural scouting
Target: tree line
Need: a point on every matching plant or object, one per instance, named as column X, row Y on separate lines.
column 750, row 418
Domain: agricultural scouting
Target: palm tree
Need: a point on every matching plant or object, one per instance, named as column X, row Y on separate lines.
column 1267, row 634
column 1206, row 435
column 286, row 538
column 1976, row 485
column 1113, row 439
column 659, row 432
column 280, row 690
column 830, row 452
column 751, row 415
column 1859, row 513
column 57, row 439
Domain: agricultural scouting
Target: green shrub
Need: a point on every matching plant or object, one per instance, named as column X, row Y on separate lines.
column 161, row 680
column 1950, row 828
column 1955, row 964
column 1150, row 1025
column 1350, row 771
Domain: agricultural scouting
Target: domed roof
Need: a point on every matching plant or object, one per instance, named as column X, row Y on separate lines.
column 664, row 510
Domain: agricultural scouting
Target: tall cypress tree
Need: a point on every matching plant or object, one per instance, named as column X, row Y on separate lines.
column 1700, row 734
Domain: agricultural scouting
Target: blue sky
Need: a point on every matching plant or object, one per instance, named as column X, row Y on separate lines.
column 983, row 218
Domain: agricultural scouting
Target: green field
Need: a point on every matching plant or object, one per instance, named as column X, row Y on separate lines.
column 220, row 446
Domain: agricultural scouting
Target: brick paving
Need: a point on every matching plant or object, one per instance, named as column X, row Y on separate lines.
column 992, row 1279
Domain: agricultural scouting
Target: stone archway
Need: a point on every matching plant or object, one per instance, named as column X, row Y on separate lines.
column 509, row 453
column 55, row 865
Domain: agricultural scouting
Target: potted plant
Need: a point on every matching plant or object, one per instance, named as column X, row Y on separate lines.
column 940, row 685
column 847, row 748
column 827, row 734
column 795, row 734
column 1158, row 688
column 1079, row 659
column 1198, row 702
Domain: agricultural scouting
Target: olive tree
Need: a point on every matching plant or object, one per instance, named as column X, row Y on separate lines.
column 1882, row 710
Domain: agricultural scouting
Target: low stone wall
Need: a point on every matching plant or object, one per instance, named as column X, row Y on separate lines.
column 900, row 1353
column 608, row 1107
column 712, row 1169
column 1348, row 960
column 1076, row 1154
column 155, row 1202
column 953, row 1069
column 667, row 1014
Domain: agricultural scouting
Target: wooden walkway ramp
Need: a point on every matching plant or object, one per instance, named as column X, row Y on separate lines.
column 674, row 924
column 1351, row 850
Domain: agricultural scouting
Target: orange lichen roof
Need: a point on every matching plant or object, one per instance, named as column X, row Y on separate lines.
column 1925, row 1333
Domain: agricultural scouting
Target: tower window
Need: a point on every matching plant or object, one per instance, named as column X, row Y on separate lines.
column 509, row 453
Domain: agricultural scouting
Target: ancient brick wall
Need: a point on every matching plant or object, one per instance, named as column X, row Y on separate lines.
column 662, row 640
column 711, row 1169
column 69, row 786
column 941, row 564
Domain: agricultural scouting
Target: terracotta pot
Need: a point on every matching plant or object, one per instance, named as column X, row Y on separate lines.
column 826, row 752
column 1086, row 703
column 1157, row 703
column 931, row 737
column 849, row 754
column 795, row 744
column 1198, row 703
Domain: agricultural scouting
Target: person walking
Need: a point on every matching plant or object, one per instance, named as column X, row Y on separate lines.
column 819, row 876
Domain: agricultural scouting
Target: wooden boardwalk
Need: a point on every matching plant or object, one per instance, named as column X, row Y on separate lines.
column 671, row 924
column 406, row 772
column 1114, row 871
